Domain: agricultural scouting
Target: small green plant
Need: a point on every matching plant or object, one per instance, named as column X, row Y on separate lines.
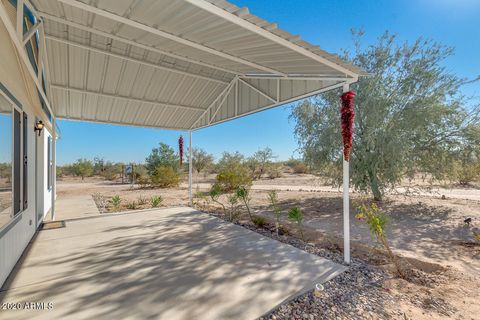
column 273, row 198
column 233, row 201
column 155, row 201
column 243, row 193
column 377, row 222
column 215, row 193
column 295, row 215
column 116, row 202
column 132, row 205
column 142, row 200
column 259, row 221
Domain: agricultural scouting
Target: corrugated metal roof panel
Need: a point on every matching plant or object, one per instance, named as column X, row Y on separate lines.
column 169, row 62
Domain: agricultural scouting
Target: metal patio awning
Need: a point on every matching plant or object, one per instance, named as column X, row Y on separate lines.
column 175, row 64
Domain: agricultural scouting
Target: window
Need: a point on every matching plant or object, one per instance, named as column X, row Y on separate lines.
column 25, row 161
column 13, row 157
column 17, row 161
column 6, row 198
column 49, row 163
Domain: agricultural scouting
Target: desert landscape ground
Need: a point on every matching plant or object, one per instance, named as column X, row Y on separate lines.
column 427, row 232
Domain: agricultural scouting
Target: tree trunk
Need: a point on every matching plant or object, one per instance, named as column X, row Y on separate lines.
column 377, row 194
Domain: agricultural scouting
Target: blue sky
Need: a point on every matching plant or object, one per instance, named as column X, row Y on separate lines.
column 326, row 23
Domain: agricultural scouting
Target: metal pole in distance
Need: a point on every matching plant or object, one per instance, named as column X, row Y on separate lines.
column 190, row 168
column 54, row 166
column 346, row 203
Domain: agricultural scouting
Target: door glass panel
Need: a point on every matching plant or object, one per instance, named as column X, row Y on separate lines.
column 5, row 161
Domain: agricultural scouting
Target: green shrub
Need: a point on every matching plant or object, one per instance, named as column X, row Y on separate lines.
column 215, row 193
column 165, row 177
column 156, row 201
column 232, row 177
column 233, row 201
column 259, row 221
column 295, row 215
column 377, row 222
column 116, row 202
column 243, row 193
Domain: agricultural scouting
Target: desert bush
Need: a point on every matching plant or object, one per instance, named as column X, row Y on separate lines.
column 215, row 193
column 132, row 205
column 243, row 193
column 116, row 202
column 155, row 201
column 144, row 182
column 377, row 222
column 300, row 168
column 233, row 201
column 229, row 160
column 165, row 177
column 259, row 221
column 83, row 168
column 232, row 177
column 273, row 199
column 295, row 215
column 466, row 172
column 274, row 170
column 142, row 200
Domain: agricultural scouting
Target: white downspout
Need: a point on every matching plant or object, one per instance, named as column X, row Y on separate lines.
column 346, row 203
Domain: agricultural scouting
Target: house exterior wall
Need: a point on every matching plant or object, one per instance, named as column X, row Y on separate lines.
column 17, row 233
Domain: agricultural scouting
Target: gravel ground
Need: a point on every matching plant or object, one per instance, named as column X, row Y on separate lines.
column 364, row 291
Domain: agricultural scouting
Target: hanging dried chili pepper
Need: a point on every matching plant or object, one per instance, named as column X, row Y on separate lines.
column 180, row 149
column 347, row 116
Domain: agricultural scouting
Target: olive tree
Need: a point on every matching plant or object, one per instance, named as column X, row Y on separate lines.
column 409, row 116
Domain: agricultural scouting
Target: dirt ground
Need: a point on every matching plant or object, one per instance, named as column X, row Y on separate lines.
column 427, row 227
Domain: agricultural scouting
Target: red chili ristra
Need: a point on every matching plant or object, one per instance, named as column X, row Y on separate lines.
column 347, row 116
column 180, row 149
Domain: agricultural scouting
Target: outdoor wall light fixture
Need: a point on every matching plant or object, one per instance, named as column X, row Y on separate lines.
column 38, row 127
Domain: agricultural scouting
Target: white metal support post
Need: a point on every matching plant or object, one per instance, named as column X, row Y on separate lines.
column 54, row 165
column 190, row 170
column 346, row 203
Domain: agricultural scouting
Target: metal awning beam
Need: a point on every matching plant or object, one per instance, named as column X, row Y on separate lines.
column 130, row 99
column 152, row 30
column 31, row 32
column 258, row 91
column 227, row 88
column 135, row 60
column 79, row 26
column 209, row 7
column 300, row 77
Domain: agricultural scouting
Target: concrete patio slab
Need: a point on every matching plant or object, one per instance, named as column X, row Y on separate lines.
column 75, row 206
column 170, row 264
